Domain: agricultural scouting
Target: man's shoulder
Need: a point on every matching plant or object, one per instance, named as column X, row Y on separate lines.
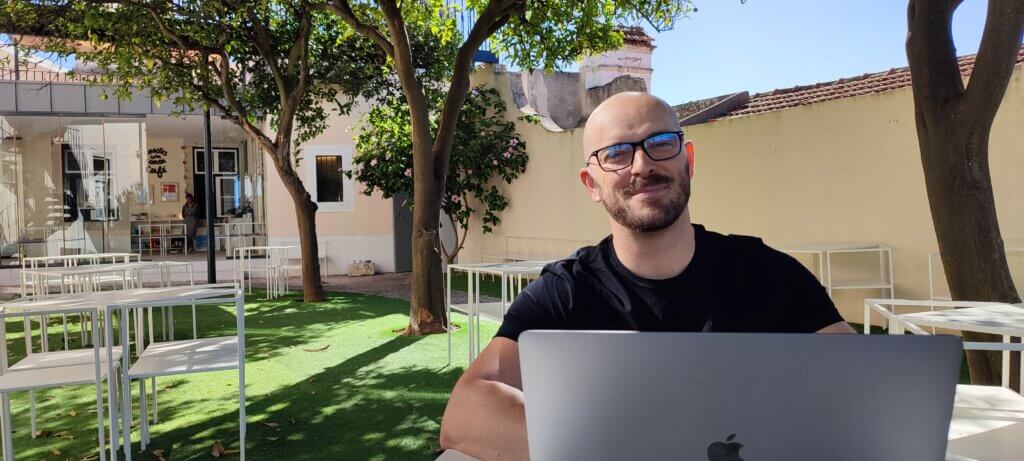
column 581, row 262
column 745, row 251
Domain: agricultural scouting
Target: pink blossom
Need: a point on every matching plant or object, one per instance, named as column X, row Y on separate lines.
column 469, row 171
column 507, row 155
column 455, row 199
column 513, row 141
column 373, row 162
column 408, row 172
column 494, row 162
column 475, row 92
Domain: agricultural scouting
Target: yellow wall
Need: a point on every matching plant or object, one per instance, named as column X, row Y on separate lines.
column 846, row 170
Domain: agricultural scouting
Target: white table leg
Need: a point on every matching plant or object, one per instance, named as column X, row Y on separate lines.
column 469, row 313
column 1006, row 364
column 126, row 388
column 6, row 417
column 448, row 310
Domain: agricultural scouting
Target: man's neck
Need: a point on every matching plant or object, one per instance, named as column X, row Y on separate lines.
column 656, row 255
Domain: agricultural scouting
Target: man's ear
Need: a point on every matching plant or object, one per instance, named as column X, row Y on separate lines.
column 588, row 182
column 689, row 156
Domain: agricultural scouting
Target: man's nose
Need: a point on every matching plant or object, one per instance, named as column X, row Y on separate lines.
column 642, row 164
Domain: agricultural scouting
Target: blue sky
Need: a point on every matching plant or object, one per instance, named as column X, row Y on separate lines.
column 726, row 47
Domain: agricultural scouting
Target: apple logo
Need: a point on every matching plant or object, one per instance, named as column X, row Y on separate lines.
column 722, row 451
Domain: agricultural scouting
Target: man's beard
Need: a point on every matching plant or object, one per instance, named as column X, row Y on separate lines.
column 655, row 215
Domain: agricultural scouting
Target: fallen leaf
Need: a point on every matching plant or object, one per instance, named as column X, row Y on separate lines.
column 73, row 413
column 217, row 450
column 270, row 424
column 318, row 349
column 55, row 452
column 159, row 455
column 43, row 433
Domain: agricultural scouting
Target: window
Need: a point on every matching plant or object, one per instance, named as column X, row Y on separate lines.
column 324, row 176
column 329, row 178
column 87, row 184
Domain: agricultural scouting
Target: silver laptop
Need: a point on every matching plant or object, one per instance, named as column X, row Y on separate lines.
column 731, row 397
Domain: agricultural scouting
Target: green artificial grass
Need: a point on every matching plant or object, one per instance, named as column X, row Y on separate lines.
column 324, row 381
column 490, row 285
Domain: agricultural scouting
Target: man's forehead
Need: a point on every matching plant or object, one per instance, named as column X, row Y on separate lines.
column 629, row 118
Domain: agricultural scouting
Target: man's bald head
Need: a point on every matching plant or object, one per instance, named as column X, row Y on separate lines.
column 627, row 116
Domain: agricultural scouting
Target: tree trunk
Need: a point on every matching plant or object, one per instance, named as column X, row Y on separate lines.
column 963, row 211
column 953, row 126
column 427, row 306
column 305, row 214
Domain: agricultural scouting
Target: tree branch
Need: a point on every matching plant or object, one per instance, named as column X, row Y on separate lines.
column 936, row 80
column 1000, row 44
column 262, row 40
column 345, row 12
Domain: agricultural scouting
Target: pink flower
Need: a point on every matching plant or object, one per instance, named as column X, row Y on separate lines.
column 455, row 199
column 469, row 171
column 373, row 162
column 513, row 141
column 475, row 92
column 494, row 162
column 507, row 155
column 408, row 172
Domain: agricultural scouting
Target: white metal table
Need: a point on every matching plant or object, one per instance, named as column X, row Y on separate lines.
column 512, row 275
column 184, row 356
column 992, row 318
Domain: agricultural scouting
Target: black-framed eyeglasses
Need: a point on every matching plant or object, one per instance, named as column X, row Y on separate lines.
column 657, row 147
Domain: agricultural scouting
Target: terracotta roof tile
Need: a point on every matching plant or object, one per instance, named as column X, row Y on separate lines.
column 635, row 35
column 870, row 83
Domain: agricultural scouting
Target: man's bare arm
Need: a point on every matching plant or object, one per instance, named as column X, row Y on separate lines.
column 485, row 417
column 838, row 327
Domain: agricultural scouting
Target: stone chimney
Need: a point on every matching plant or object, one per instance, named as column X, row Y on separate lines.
column 624, row 69
column 634, row 59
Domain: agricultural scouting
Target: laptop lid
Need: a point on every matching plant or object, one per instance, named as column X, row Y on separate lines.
column 725, row 396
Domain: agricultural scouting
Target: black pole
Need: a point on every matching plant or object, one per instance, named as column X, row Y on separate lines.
column 211, row 258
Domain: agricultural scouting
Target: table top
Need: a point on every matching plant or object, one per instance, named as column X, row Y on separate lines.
column 103, row 268
column 265, row 247
column 995, row 318
column 504, row 268
column 105, row 299
column 819, row 247
column 81, row 256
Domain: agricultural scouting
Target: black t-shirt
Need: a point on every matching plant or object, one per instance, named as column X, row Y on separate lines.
column 733, row 283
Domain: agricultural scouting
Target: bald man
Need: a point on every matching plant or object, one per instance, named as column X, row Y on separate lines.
column 656, row 272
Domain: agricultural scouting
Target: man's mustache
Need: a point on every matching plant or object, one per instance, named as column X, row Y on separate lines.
column 637, row 184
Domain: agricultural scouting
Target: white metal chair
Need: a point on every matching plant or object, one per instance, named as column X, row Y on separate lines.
column 292, row 263
column 177, row 357
column 45, row 369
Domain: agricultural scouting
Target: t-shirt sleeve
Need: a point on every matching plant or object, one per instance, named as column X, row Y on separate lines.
column 805, row 303
column 541, row 306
